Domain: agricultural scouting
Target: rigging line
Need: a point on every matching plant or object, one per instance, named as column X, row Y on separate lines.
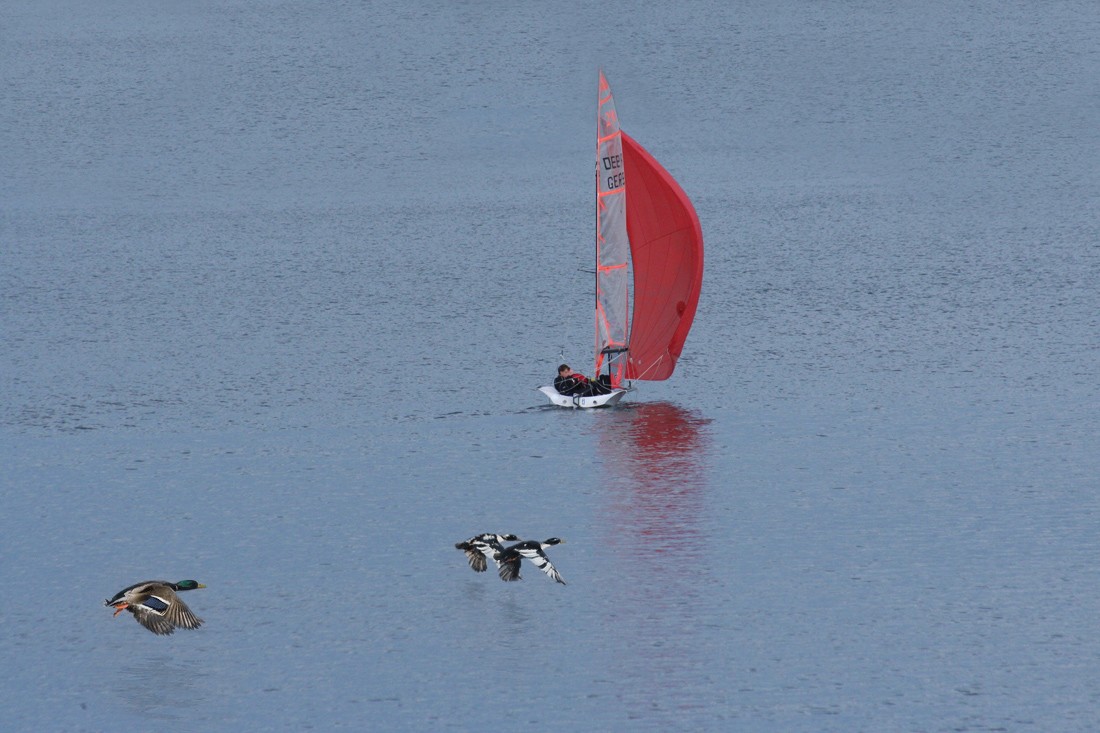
column 653, row 365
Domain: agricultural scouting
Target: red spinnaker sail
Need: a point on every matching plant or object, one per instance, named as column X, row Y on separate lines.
column 666, row 250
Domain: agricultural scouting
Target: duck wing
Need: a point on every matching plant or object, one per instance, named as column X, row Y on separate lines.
column 179, row 615
column 541, row 561
column 162, row 612
column 154, row 622
column 508, row 566
column 474, row 556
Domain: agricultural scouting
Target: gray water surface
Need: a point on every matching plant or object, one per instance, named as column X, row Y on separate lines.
column 278, row 283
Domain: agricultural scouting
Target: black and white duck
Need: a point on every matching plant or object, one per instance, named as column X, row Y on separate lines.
column 480, row 548
column 509, row 559
column 156, row 606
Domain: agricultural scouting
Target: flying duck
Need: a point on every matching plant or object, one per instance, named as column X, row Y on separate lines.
column 480, row 548
column 509, row 559
column 156, row 606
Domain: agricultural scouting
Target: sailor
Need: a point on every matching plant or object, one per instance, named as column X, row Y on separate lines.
column 569, row 382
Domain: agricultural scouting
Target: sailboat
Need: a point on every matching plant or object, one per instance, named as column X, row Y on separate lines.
column 649, row 265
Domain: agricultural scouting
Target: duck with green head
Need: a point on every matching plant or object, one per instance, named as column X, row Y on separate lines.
column 156, row 606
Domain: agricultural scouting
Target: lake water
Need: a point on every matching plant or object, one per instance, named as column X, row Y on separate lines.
column 278, row 282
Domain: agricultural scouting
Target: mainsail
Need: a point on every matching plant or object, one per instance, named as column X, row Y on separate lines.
column 612, row 245
column 646, row 231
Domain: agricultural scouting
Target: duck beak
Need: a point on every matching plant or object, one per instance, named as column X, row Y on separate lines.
column 200, row 585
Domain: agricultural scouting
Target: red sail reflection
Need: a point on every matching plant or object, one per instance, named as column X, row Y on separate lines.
column 656, row 528
column 656, row 456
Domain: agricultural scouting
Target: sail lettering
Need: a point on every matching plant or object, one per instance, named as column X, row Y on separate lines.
column 613, row 165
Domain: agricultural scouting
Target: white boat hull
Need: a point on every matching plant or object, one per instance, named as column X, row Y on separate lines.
column 599, row 400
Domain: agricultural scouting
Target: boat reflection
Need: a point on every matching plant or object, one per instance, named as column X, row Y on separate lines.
column 656, row 458
column 656, row 455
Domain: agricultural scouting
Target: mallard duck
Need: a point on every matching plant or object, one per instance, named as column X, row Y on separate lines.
column 509, row 559
column 156, row 606
column 480, row 548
